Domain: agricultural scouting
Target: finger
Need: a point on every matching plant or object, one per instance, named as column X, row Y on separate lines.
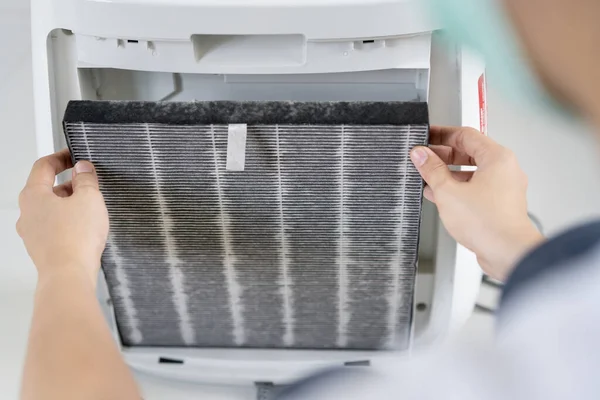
column 433, row 170
column 452, row 156
column 465, row 140
column 84, row 176
column 45, row 169
column 64, row 190
column 462, row 176
column 428, row 194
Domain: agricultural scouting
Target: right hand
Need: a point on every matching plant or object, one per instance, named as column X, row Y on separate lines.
column 485, row 210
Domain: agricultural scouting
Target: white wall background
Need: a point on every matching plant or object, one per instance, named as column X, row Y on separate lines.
column 561, row 163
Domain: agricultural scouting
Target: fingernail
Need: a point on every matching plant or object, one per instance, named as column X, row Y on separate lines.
column 83, row 167
column 418, row 156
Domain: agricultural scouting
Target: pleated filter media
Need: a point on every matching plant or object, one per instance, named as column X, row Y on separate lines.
column 312, row 245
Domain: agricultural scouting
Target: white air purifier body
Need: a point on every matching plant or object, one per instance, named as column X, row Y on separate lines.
column 302, row 50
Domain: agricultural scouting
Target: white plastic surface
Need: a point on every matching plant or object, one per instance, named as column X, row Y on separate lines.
column 468, row 273
column 254, row 54
column 241, row 366
column 166, row 19
column 381, row 85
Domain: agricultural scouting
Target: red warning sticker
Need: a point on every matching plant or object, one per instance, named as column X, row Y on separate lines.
column 482, row 104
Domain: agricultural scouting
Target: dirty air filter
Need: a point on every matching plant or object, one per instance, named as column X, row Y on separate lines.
column 312, row 245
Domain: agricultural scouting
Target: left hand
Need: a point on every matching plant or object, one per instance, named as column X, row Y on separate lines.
column 64, row 228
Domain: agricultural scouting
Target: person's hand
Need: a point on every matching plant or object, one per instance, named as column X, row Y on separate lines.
column 485, row 210
column 64, row 228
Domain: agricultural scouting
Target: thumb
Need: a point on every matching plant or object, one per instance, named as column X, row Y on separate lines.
column 433, row 170
column 84, row 176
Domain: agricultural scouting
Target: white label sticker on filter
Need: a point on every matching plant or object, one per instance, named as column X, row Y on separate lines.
column 236, row 147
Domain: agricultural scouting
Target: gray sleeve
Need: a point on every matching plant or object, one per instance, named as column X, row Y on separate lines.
column 557, row 256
